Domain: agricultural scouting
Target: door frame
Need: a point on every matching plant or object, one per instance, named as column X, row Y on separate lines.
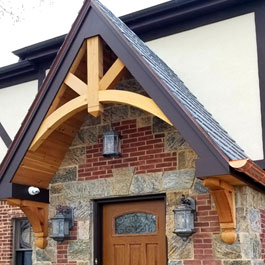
column 97, row 219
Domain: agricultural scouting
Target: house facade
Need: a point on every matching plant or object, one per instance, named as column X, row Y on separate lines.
column 173, row 143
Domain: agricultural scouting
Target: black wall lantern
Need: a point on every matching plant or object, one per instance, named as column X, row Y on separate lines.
column 62, row 222
column 184, row 216
column 111, row 144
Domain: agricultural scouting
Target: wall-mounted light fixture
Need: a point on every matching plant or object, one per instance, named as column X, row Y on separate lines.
column 111, row 142
column 62, row 222
column 184, row 216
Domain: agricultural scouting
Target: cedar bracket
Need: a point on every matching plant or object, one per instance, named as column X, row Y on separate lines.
column 224, row 198
column 37, row 214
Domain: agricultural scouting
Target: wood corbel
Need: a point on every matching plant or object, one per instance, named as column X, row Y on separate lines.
column 224, row 198
column 37, row 214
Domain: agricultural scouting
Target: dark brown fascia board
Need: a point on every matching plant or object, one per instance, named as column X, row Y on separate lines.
column 34, row 60
column 164, row 19
column 41, row 47
column 4, row 135
column 16, row 69
column 212, row 162
column 260, row 33
column 17, row 73
column 17, row 191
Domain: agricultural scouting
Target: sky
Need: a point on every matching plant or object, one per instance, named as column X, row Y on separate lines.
column 48, row 19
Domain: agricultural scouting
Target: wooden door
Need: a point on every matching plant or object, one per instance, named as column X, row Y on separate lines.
column 134, row 233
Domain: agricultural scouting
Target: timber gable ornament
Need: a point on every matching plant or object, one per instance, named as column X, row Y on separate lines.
column 81, row 80
column 96, row 92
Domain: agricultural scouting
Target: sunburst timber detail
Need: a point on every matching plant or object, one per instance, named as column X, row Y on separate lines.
column 224, row 197
column 37, row 214
column 92, row 94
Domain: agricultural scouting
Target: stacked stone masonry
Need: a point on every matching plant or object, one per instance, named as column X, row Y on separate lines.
column 155, row 159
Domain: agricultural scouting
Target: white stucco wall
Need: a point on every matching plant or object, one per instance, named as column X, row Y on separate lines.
column 14, row 104
column 218, row 63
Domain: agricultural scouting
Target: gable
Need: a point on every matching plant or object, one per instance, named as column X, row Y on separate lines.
column 168, row 93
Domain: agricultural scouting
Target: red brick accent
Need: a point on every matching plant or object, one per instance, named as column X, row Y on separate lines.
column 206, row 225
column 7, row 214
column 140, row 148
column 62, row 249
column 262, row 234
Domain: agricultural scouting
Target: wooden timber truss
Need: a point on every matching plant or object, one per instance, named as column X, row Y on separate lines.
column 93, row 94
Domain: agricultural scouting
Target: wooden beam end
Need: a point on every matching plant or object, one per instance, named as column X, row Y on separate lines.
column 96, row 110
column 41, row 241
column 229, row 236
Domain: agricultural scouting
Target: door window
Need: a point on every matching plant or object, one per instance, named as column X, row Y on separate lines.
column 135, row 223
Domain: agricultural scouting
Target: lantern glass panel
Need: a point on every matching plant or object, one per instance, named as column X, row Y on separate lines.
column 108, row 144
column 67, row 228
column 111, row 144
column 180, row 220
column 58, row 226
column 190, row 219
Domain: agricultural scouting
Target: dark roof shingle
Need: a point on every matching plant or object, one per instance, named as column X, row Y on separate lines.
column 178, row 90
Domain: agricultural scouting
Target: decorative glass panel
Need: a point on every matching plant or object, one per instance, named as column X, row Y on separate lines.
column 25, row 236
column 135, row 223
column 23, row 242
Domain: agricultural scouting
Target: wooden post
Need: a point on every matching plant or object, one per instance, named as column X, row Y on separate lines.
column 94, row 74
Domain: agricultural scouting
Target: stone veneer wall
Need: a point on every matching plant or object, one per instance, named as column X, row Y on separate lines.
column 7, row 214
column 262, row 235
column 155, row 159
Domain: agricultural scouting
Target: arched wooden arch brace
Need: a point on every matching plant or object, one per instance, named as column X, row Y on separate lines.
column 37, row 214
column 93, row 94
